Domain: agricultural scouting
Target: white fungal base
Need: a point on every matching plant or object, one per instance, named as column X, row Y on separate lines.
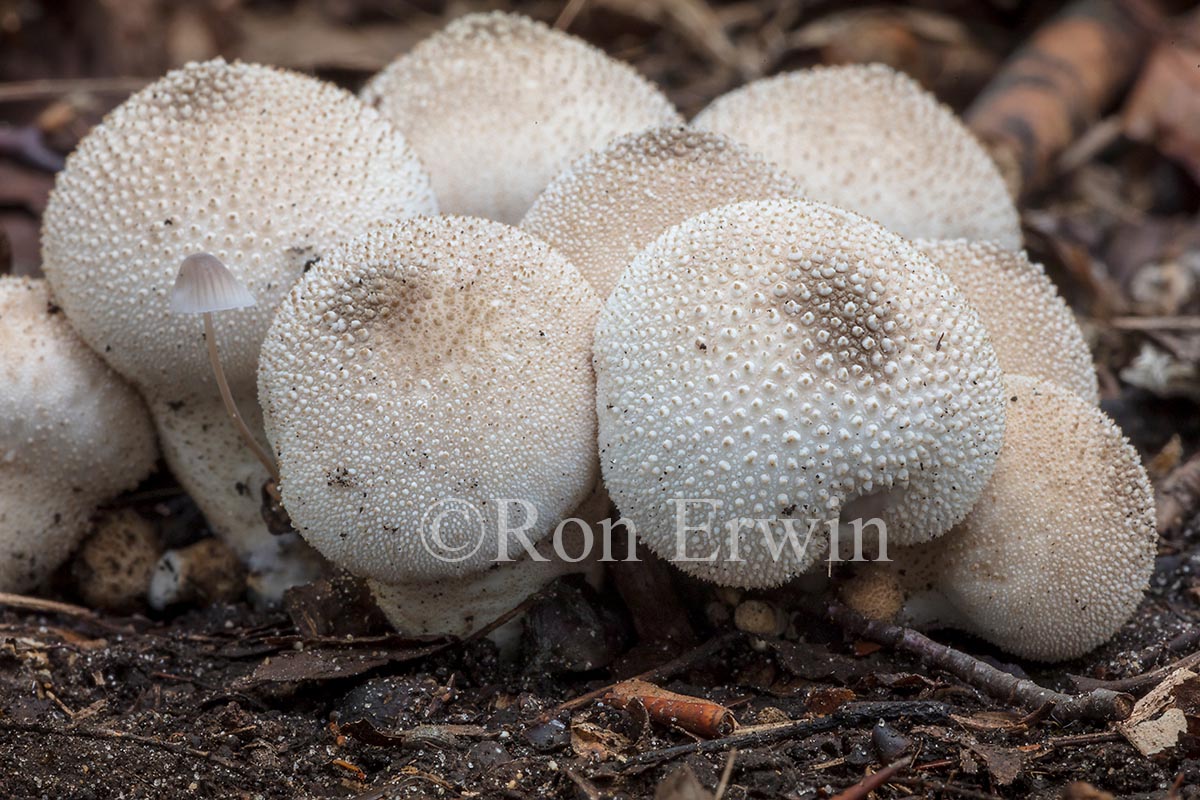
column 220, row 473
column 463, row 606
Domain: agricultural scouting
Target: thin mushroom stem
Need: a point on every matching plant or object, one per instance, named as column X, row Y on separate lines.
column 210, row 338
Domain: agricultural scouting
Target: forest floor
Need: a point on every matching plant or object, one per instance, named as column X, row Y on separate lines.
column 318, row 699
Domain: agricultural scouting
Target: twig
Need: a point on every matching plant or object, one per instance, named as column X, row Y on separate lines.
column 726, row 775
column 1136, row 683
column 569, row 13
column 1181, row 323
column 587, row 787
column 1100, row 704
column 26, row 603
column 863, row 789
column 1058, row 83
column 695, row 715
column 22, row 91
column 849, row 715
column 1083, row 739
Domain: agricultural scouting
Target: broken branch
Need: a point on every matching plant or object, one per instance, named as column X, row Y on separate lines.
column 1099, row 704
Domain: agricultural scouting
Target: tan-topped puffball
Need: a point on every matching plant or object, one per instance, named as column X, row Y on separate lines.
column 1057, row 553
column 73, row 435
column 870, row 139
column 610, row 204
column 498, row 104
column 785, row 363
column 1032, row 328
column 113, row 567
column 425, row 387
column 261, row 168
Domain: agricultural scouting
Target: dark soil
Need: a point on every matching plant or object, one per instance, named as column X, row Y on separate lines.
column 319, row 700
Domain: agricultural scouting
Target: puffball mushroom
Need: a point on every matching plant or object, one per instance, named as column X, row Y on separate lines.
column 1058, row 552
column 497, row 104
column 113, row 566
column 73, row 435
column 610, row 204
column 263, row 169
column 1031, row 327
column 790, row 362
column 413, row 383
column 870, row 139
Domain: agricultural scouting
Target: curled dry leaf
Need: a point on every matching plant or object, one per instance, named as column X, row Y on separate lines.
column 694, row 714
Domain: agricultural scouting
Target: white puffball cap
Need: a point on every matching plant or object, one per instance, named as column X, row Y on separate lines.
column 791, row 362
column 1032, row 328
column 73, row 434
column 1058, row 552
column 497, row 104
column 419, row 378
column 870, row 139
column 611, row 203
column 262, row 168
column 204, row 285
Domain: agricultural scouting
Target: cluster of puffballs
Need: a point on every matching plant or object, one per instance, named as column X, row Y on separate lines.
column 809, row 303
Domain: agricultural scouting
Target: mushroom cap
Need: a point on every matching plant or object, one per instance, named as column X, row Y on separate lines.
column 418, row 376
column 261, row 167
column 498, row 104
column 72, row 434
column 1058, row 552
column 611, row 203
column 1031, row 327
column 794, row 362
column 870, row 139
column 113, row 567
column 205, row 285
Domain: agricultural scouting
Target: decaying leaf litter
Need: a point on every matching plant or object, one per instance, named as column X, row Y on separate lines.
column 321, row 700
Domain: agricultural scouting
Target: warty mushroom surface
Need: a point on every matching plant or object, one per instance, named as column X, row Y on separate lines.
column 263, row 168
column 870, row 139
column 498, row 104
column 1057, row 553
column 610, row 204
column 73, row 435
column 428, row 390
column 791, row 363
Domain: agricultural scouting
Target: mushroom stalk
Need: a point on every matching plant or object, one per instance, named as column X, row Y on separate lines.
column 210, row 338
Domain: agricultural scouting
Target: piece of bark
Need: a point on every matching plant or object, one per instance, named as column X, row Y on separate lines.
column 1056, row 86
